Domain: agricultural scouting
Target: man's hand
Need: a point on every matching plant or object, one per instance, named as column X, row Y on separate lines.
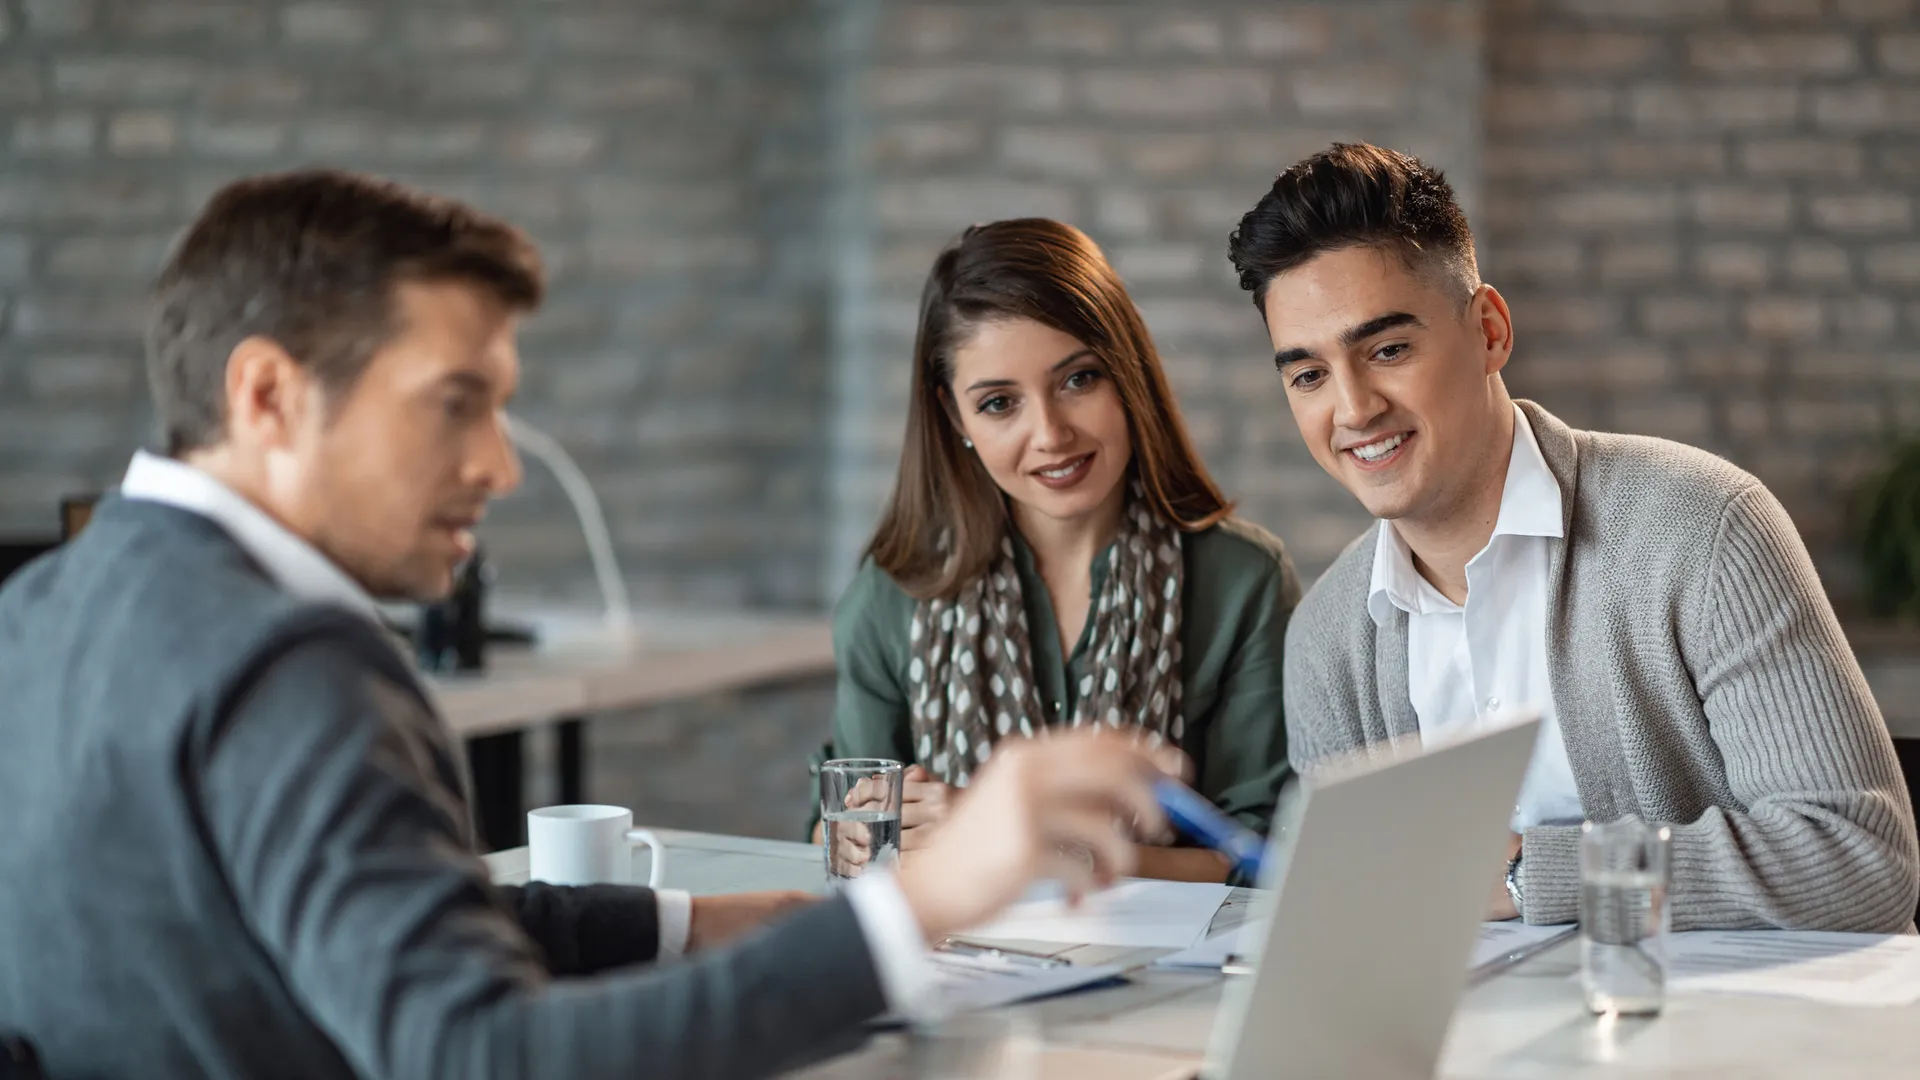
column 925, row 803
column 1062, row 807
column 718, row 919
column 1502, row 902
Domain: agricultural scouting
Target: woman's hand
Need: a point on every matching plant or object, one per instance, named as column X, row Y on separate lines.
column 924, row 804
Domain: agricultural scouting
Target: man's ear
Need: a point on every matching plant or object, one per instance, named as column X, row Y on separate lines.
column 1492, row 324
column 267, row 393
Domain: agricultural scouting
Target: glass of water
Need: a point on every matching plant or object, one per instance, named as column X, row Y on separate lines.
column 860, row 815
column 1623, row 916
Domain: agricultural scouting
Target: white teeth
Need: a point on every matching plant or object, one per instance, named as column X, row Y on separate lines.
column 1061, row 473
column 1376, row 451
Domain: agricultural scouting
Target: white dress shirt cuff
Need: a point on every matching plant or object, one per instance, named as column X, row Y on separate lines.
column 676, row 920
column 908, row 980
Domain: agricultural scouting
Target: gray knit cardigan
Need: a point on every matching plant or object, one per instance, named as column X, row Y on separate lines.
column 1700, row 679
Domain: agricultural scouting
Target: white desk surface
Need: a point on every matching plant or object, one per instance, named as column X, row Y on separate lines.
column 579, row 666
column 1524, row 1024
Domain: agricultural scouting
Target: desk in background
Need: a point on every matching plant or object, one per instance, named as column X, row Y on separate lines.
column 579, row 667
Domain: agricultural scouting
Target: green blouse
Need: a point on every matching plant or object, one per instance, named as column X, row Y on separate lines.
column 1240, row 589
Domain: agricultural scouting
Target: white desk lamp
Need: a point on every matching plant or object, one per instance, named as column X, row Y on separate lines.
column 618, row 617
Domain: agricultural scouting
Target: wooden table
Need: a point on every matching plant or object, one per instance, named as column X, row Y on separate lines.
column 580, row 666
column 1523, row 1024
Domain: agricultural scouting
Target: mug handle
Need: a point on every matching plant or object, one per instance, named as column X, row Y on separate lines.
column 657, row 865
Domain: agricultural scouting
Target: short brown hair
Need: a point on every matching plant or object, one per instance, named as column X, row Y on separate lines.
column 1355, row 195
column 944, row 523
column 309, row 259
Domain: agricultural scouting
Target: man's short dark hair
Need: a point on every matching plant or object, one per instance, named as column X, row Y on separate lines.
column 310, row 259
column 1355, row 195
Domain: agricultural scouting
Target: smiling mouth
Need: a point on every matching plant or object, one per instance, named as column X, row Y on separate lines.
column 1067, row 473
column 1381, row 451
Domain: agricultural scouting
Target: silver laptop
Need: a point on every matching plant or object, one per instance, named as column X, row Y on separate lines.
column 1380, row 891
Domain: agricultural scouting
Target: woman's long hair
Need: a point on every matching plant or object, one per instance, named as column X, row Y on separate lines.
column 1054, row 274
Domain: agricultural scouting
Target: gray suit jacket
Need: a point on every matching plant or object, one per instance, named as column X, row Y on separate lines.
column 1699, row 677
column 234, row 843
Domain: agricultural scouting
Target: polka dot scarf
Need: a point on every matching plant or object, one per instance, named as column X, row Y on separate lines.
column 970, row 679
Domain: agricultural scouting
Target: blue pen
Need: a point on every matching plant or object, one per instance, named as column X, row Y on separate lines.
column 1194, row 815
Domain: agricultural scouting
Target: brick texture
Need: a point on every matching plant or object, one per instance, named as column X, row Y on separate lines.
column 738, row 201
column 1152, row 130
column 1775, row 234
column 1702, row 210
column 669, row 162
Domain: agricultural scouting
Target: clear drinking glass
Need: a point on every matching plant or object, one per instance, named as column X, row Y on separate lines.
column 860, row 815
column 1623, row 915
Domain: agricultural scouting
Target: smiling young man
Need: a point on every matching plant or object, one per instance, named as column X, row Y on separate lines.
column 1653, row 601
column 234, row 840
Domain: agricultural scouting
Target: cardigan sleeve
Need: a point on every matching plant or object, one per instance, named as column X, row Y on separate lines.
column 1822, row 836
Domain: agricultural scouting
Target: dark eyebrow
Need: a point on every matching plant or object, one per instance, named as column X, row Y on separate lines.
column 467, row 380
column 984, row 384
column 1351, row 336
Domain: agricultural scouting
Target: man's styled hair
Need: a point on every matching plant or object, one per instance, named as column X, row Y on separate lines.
column 310, row 259
column 1356, row 195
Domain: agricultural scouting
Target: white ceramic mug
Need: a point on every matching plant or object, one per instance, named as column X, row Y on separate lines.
column 588, row 845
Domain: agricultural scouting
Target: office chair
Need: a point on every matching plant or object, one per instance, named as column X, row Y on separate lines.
column 1908, row 752
column 18, row 1061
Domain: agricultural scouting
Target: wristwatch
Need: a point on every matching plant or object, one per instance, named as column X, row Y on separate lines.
column 1513, row 884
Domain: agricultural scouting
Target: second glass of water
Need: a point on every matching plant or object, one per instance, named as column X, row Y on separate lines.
column 860, row 815
column 1623, row 916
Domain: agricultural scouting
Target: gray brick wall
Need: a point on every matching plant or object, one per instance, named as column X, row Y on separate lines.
column 667, row 156
column 738, row 200
column 1703, row 213
column 1702, row 209
column 1154, row 127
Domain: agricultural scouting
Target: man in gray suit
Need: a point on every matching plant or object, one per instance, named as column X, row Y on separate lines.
column 1653, row 601
column 234, row 840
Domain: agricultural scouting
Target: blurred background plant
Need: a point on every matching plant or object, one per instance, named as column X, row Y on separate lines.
column 1889, row 530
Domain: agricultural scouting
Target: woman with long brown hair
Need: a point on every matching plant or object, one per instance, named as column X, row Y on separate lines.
column 1054, row 552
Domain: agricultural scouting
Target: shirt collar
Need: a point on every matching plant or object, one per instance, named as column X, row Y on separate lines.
column 1530, row 505
column 296, row 565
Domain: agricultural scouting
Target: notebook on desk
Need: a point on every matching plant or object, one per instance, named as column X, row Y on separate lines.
column 1379, row 894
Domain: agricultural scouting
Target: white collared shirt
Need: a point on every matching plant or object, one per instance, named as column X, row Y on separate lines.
column 1467, row 663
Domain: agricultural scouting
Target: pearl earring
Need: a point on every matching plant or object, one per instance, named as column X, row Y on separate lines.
column 968, row 442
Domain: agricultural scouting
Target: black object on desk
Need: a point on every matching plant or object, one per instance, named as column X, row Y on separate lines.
column 452, row 633
column 451, row 636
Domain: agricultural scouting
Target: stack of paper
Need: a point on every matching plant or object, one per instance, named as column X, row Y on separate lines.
column 979, row 982
column 1214, row 951
column 1134, row 913
column 1499, row 940
column 1842, row 969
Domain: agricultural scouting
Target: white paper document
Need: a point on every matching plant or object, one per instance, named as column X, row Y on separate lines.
column 1214, row 951
column 978, row 982
column 1498, row 939
column 1134, row 913
column 1842, row 969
